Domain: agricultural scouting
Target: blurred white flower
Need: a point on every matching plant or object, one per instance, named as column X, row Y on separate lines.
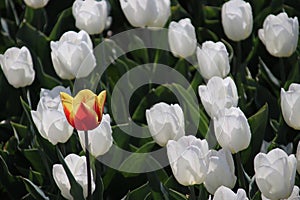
column 100, row 138
column 280, row 34
column 224, row 193
column 220, row 170
column 36, row 3
column 165, row 122
column 90, row 15
column 72, row 55
column 187, row 158
column 77, row 166
column 218, row 94
column 298, row 157
column 275, row 173
column 213, row 60
column 237, row 19
column 17, row 66
column 182, row 38
column 232, row 129
column 294, row 195
column 290, row 103
column 146, row 13
column 49, row 118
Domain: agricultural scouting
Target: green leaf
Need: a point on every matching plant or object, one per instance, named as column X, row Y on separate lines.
column 177, row 195
column 34, row 190
column 139, row 193
column 64, row 23
column 258, row 123
column 140, row 158
column 34, row 157
column 13, row 185
column 76, row 189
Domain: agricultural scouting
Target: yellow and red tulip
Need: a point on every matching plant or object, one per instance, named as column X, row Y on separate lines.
column 84, row 111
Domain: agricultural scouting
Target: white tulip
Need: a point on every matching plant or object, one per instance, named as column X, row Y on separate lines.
column 224, row 193
column 220, row 170
column 146, row 13
column 290, row 102
column 213, row 60
column 294, row 195
column 77, row 166
column 17, row 66
column 237, row 19
column 90, row 15
column 49, row 118
column 100, row 138
column 218, row 94
column 36, row 3
column 275, row 173
column 72, row 55
column 165, row 122
column 298, row 157
column 187, row 158
column 182, row 38
column 232, row 129
column 280, row 34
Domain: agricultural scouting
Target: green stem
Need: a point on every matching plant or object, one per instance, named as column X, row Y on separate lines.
column 193, row 194
column 88, row 166
column 241, row 177
column 282, row 71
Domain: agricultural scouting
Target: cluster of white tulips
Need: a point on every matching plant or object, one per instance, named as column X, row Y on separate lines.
column 193, row 161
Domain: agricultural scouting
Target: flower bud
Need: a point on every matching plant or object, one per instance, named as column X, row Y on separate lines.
column 49, row 117
column 280, row 34
column 275, row 173
column 36, row 3
column 77, row 166
column 17, row 66
column 182, row 38
column 232, row 129
column 72, row 55
column 165, row 122
column 100, row 138
column 213, row 60
column 187, row 158
column 147, row 13
column 218, row 94
column 294, row 196
column 220, row 170
column 290, row 103
column 91, row 15
column 224, row 193
column 84, row 111
column 237, row 19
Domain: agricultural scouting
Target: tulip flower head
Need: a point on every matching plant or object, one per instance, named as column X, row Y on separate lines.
column 84, row 111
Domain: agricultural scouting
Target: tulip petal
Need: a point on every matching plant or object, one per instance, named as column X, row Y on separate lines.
column 67, row 102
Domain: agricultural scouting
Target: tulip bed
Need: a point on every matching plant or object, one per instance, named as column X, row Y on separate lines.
column 154, row 99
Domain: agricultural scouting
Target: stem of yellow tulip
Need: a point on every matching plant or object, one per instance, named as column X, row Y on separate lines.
column 88, row 166
column 193, row 194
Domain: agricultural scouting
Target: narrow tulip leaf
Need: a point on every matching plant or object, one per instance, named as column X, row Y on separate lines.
column 64, row 23
column 76, row 189
column 141, row 160
column 34, row 157
column 258, row 123
column 177, row 195
column 140, row 55
column 268, row 75
column 36, row 17
column 98, row 193
column 34, row 190
column 139, row 193
column 193, row 114
column 13, row 185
